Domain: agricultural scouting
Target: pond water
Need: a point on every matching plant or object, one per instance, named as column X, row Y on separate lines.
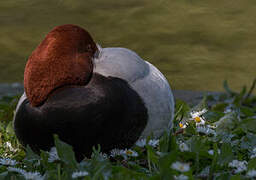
column 195, row 43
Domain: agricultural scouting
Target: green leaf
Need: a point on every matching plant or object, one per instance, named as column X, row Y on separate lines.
column 120, row 172
column 227, row 122
column 214, row 161
column 213, row 116
column 226, row 154
column 222, row 176
column 251, row 89
column 182, row 107
column 248, row 141
column 197, row 145
column 30, row 155
column 201, row 105
column 249, row 124
column 65, row 152
column 252, row 164
column 165, row 163
column 219, row 107
column 236, row 177
column 246, row 111
column 228, row 90
column 164, row 143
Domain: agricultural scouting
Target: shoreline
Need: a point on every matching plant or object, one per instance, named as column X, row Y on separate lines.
column 189, row 96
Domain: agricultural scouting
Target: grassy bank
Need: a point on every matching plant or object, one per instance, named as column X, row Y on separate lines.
column 196, row 44
column 222, row 148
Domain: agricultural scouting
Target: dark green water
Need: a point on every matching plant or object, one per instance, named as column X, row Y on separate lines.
column 196, row 44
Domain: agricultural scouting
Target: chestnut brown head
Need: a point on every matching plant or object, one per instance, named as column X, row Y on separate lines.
column 64, row 57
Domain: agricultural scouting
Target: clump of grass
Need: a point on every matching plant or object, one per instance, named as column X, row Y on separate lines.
column 218, row 142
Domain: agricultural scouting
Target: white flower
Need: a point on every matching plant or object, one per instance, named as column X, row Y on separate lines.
column 239, row 166
column 227, row 110
column 129, row 152
column 211, row 151
column 196, row 115
column 253, row 153
column 179, row 166
column 103, row 155
column 115, row 152
column 251, row 173
column 79, row 174
column 141, row 143
column 18, row 170
column 181, row 177
column 153, row 142
column 199, row 121
column 183, row 125
column 8, row 162
column 53, row 155
column 253, row 156
column 124, row 153
column 33, row 175
column 183, row 147
column 9, row 146
column 205, row 130
column 254, row 150
column 27, row 175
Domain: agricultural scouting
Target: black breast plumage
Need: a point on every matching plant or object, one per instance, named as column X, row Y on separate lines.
column 107, row 111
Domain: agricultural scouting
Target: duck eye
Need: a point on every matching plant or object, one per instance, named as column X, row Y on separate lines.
column 89, row 48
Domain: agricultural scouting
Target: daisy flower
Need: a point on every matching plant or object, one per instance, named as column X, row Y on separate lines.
column 9, row 146
column 253, row 153
column 211, row 151
column 103, row 155
column 179, row 166
column 239, row 166
column 8, row 162
column 198, row 113
column 129, row 152
column 33, row 175
column 141, row 143
column 18, row 170
column 197, row 116
column 53, row 155
column 183, row 125
column 181, row 177
column 183, row 147
column 79, row 174
column 115, row 152
column 251, row 173
column 27, row 175
column 153, row 142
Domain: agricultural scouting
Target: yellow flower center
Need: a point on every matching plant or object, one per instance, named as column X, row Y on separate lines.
column 181, row 125
column 128, row 152
column 197, row 119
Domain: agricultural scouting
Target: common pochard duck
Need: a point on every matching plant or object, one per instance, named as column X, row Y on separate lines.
column 89, row 95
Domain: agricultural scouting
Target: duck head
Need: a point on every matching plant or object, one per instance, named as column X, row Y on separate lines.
column 63, row 58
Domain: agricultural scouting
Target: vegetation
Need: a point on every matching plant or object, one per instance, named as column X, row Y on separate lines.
column 215, row 139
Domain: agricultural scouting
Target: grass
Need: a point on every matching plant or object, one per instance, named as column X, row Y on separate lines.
column 195, row 44
column 210, row 151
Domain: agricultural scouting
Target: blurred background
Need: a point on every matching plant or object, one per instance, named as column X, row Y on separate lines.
column 197, row 44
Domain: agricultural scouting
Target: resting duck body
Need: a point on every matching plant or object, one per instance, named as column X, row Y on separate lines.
column 89, row 95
